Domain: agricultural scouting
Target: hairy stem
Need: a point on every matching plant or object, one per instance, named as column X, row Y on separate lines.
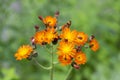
column 46, row 68
column 52, row 64
column 68, row 74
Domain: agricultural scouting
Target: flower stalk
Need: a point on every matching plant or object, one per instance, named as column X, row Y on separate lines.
column 68, row 74
column 43, row 67
column 52, row 64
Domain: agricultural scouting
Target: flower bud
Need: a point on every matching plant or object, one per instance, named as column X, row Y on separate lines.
column 69, row 23
column 29, row 58
column 91, row 37
column 74, row 65
column 57, row 14
column 78, row 49
column 41, row 18
column 55, row 41
column 36, row 28
column 35, row 54
column 44, row 43
column 32, row 40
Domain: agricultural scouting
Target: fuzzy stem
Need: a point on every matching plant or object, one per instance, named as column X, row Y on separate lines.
column 68, row 74
column 52, row 64
column 46, row 68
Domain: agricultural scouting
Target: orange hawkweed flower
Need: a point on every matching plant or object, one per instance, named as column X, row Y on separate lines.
column 68, row 35
column 64, row 60
column 94, row 45
column 50, row 35
column 23, row 52
column 50, row 21
column 81, row 38
column 66, row 48
column 39, row 37
column 80, row 58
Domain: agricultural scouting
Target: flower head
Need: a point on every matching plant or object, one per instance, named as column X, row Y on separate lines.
column 64, row 60
column 68, row 35
column 94, row 45
column 50, row 35
column 80, row 58
column 81, row 38
column 23, row 52
column 39, row 37
column 66, row 48
column 50, row 21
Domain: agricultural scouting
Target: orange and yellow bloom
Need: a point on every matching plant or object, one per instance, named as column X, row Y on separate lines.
column 45, row 36
column 81, row 38
column 64, row 60
column 50, row 21
column 80, row 58
column 50, row 35
column 94, row 45
column 39, row 37
column 68, row 35
column 66, row 48
column 23, row 52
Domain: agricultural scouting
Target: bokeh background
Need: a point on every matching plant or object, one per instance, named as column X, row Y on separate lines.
column 98, row 17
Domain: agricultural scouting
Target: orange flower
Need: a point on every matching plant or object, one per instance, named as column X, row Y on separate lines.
column 50, row 35
column 64, row 60
column 94, row 45
column 80, row 58
column 50, row 21
column 66, row 48
column 39, row 37
column 81, row 38
column 68, row 35
column 23, row 52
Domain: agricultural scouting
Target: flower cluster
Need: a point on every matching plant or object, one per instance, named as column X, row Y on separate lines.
column 70, row 42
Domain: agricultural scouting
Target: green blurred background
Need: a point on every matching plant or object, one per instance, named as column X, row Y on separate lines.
column 98, row 17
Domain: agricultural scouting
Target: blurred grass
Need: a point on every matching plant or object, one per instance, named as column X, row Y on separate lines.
column 98, row 17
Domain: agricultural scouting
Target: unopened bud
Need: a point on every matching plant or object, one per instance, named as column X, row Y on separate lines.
column 29, row 57
column 44, row 43
column 69, row 23
column 91, row 37
column 36, row 28
column 41, row 18
column 91, row 45
column 78, row 49
column 57, row 14
column 74, row 65
column 32, row 40
column 35, row 54
column 55, row 41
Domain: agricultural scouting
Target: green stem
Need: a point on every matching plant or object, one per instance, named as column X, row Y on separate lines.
column 46, row 49
column 52, row 64
column 46, row 68
column 68, row 74
column 55, row 63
